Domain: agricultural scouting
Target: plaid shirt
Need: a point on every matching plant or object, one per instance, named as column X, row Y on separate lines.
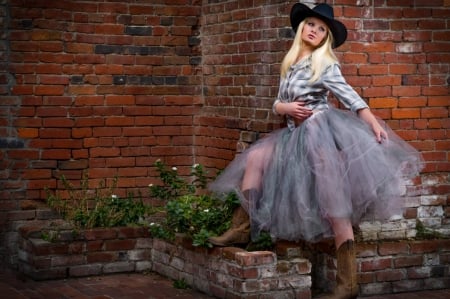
column 295, row 87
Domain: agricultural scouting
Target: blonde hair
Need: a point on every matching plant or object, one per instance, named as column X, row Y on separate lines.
column 322, row 57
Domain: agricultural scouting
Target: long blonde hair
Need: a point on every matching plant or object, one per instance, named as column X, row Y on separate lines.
column 321, row 58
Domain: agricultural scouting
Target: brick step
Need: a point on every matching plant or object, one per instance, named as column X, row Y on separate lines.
column 291, row 270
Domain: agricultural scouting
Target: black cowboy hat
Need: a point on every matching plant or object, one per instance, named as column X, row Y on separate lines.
column 323, row 11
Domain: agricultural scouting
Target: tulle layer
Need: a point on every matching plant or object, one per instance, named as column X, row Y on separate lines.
column 330, row 166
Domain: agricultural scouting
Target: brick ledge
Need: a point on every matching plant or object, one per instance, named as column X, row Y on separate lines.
column 292, row 270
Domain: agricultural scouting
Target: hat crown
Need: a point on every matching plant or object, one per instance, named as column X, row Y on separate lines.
column 325, row 10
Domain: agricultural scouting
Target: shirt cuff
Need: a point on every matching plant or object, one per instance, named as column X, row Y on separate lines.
column 273, row 107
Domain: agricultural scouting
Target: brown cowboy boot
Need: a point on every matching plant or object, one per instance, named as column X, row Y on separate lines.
column 347, row 285
column 238, row 233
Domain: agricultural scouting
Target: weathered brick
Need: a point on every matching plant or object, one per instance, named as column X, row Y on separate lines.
column 393, row 248
column 68, row 260
column 101, row 257
column 99, row 234
column 85, row 270
column 376, row 264
column 252, row 258
column 126, row 244
column 408, row 261
column 118, row 267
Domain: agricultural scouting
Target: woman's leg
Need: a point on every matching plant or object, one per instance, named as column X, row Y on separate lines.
column 343, row 230
column 239, row 231
column 254, row 170
column 346, row 279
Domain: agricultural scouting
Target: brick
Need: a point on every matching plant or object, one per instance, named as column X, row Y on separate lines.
column 412, row 102
column 21, row 215
column 424, row 246
column 28, row 132
column 408, row 261
column 383, row 103
column 139, row 255
column 49, row 90
column 68, row 260
column 376, row 264
column 100, row 234
column 406, row 113
column 132, row 232
column 101, row 257
column 390, row 275
column 44, row 248
column 46, row 274
column 407, row 286
column 418, row 272
column 254, row 258
column 442, row 112
column 118, row 267
column 126, row 244
column 393, row 248
column 85, row 270
column 95, row 245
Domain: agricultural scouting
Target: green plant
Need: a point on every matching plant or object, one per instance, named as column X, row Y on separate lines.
column 98, row 208
column 263, row 242
column 423, row 232
column 189, row 209
column 180, row 284
column 49, row 236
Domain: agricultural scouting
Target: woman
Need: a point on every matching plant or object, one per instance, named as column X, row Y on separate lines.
column 328, row 169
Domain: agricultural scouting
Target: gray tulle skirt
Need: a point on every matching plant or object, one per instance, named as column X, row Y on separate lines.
column 330, row 166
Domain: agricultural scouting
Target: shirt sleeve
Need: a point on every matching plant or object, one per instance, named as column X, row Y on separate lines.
column 278, row 99
column 273, row 106
column 335, row 82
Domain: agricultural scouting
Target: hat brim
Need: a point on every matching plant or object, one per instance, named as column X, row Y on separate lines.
column 300, row 11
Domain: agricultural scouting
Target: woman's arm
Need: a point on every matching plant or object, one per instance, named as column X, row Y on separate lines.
column 335, row 82
column 366, row 115
column 295, row 109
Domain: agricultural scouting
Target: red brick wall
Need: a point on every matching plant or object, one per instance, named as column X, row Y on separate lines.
column 112, row 86
column 103, row 86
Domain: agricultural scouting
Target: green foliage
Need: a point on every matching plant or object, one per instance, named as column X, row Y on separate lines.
column 188, row 209
column 100, row 208
column 48, row 236
column 425, row 233
column 264, row 242
column 180, row 284
column 172, row 184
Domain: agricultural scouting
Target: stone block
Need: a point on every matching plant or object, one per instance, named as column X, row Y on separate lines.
column 139, row 254
column 145, row 243
column 118, row 267
column 143, row 266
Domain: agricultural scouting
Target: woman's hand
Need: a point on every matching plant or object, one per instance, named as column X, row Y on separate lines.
column 295, row 109
column 366, row 115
